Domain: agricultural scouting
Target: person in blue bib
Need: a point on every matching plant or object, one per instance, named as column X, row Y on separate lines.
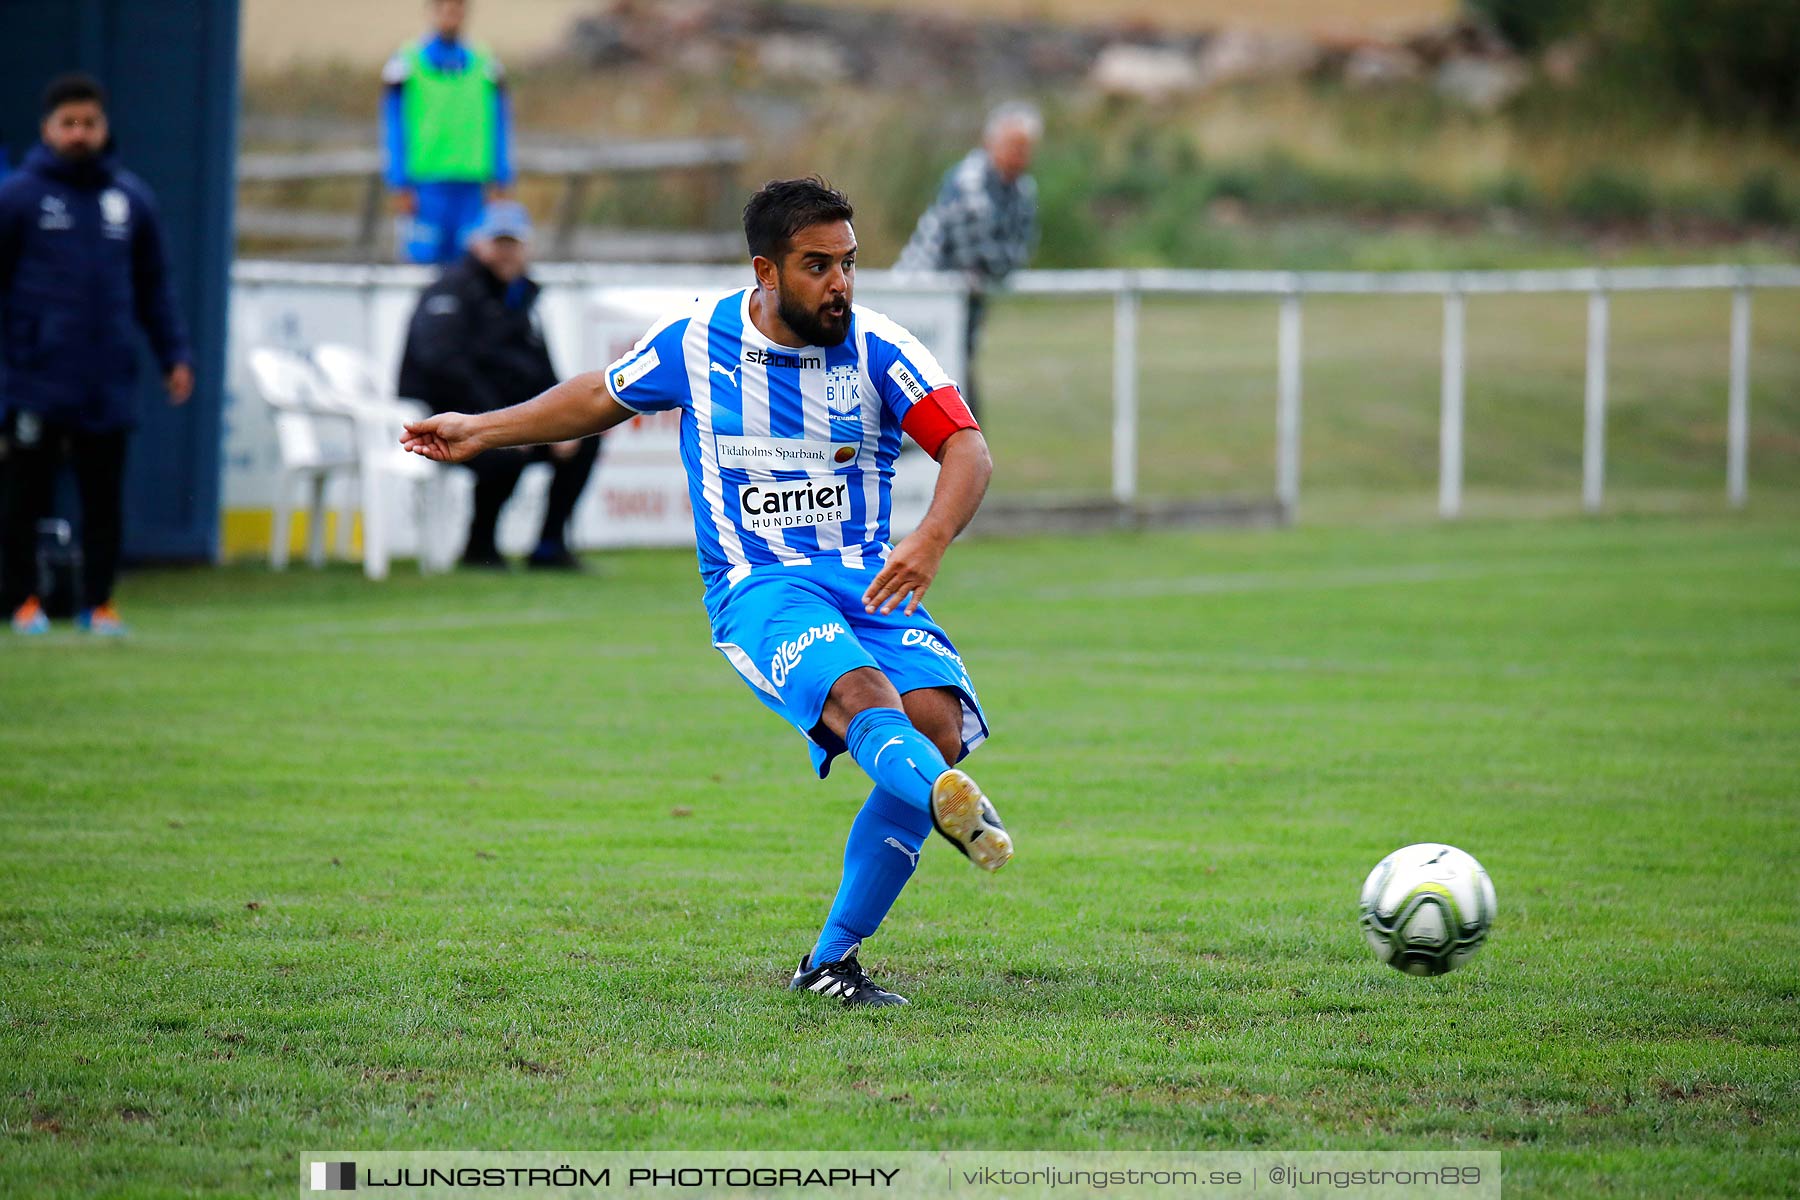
column 793, row 402
column 446, row 130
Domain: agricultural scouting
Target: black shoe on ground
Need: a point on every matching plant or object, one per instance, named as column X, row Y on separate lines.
column 844, row 978
column 490, row 560
column 555, row 560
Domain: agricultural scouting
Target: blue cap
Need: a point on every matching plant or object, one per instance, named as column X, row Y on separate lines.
column 503, row 219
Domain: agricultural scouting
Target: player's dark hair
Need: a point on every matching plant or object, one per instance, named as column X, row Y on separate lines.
column 786, row 206
column 72, row 89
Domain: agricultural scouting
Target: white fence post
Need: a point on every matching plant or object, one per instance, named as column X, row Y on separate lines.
column 1737, row 421
column 1287, row 408
column 1450, row 428
column 1593, row 442
column 1125, row 414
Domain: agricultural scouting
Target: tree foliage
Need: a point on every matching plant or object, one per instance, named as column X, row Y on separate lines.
column 1732, row 59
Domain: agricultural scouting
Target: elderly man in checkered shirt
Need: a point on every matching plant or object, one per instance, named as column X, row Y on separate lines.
column 983, row 223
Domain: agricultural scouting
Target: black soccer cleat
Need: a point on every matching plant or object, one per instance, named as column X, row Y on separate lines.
column 844, row 978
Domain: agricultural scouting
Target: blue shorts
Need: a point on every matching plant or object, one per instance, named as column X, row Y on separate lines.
column 792, row 632
column 440, row 229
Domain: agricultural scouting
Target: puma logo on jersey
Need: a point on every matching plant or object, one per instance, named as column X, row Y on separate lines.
column 729, row 373
column 885, row 745
column 912, row 855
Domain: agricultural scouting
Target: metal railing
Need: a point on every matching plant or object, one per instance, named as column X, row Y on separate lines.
column 576, row 165
column 1126, row 288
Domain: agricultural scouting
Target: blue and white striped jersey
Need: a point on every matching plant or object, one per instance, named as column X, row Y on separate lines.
column 789, row 453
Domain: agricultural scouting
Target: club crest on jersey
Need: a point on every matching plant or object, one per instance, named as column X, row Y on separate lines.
column 115, row 210
column 843, row 391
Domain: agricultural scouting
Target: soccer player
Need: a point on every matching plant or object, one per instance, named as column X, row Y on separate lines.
column 793, row 401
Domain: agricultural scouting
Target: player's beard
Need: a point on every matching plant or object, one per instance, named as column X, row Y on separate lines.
column 819, row 327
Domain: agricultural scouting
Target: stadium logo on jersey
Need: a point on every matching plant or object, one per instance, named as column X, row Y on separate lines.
column 782, row 454
column 115, row 210
column 624, row 377
column 787, row 655
column 774, row 358
column 907, row 382
column 803, row 504
column 843, row 391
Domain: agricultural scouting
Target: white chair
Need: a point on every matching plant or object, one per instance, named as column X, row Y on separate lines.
column 350, row 372
column 353, row 385
column 315, row 443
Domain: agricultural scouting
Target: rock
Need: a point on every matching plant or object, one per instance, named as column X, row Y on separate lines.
column 702, row 58
column 1482, row 84
column 1467, row 36
column 1377, row 65
column 598, row 41
column 1056, row 53
column 1147, row 72
column 803, row 57
column 1233, row 55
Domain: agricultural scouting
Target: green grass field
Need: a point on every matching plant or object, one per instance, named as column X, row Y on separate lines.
column 519, row 863
column 1371, row 375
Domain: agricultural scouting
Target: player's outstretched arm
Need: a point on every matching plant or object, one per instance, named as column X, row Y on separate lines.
column 964, row 468
column 574, row 408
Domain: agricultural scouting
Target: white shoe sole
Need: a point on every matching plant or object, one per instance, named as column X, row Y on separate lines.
column 957, row 806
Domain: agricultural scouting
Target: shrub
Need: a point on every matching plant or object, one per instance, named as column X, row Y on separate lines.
column 1511, row 190
column 1761, row 200
column 1734, row 58
column 1605, row 195
column 1530, row 25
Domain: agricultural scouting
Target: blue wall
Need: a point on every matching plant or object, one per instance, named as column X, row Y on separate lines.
column 171, row 69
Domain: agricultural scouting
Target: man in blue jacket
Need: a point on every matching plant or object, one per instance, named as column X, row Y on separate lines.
column 82, row 261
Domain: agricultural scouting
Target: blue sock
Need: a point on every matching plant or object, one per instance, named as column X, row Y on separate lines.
column 896, row 755
column 879, row 857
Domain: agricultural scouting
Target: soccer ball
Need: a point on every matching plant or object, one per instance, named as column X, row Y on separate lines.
column 1426, row 909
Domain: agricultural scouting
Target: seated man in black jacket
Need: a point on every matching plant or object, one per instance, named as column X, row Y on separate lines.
column 473, row 346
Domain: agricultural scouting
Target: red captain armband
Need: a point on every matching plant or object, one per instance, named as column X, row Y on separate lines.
column 932, row 420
